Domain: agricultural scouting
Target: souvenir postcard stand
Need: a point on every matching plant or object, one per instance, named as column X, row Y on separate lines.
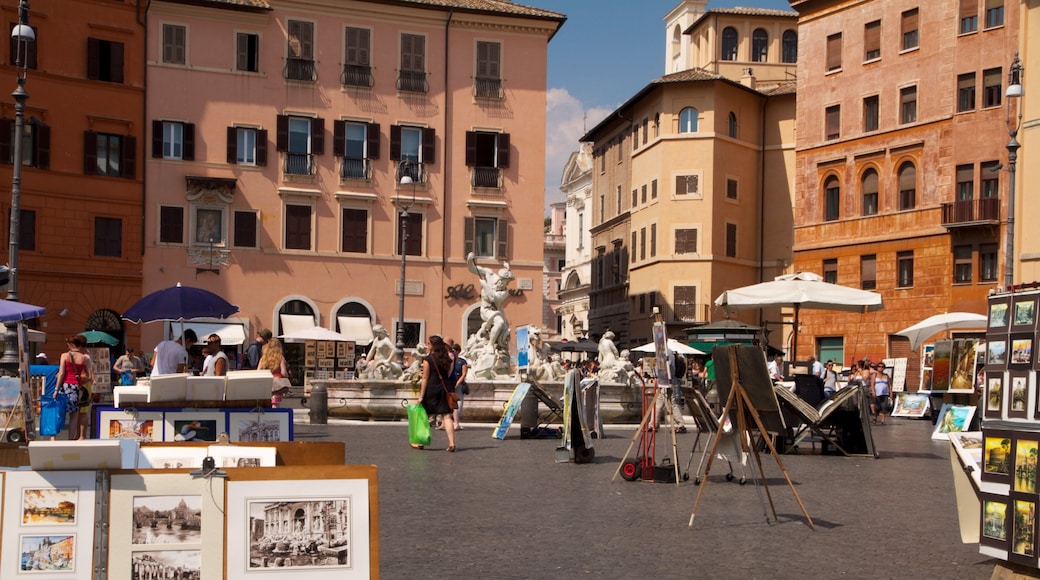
column 328, row 360
column 1010, row 440
column 743, row 381
column 99, row 518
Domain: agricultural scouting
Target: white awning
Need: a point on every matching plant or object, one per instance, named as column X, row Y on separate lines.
column 36, row 335
column 356, row 328
column 295, row 323
column 231, row 334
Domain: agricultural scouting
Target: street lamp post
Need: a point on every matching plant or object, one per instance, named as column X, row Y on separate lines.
column 1014, row 92
column 22, row 34
column 406, row 179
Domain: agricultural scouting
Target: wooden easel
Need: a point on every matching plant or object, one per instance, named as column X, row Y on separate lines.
column 738, row 397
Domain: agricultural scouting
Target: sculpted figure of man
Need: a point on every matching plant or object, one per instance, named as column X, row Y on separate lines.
column 494, row 288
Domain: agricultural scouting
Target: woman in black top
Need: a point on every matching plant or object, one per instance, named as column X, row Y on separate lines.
column 435, row 386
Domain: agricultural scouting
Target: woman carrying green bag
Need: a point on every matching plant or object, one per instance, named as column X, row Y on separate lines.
column 437, row 394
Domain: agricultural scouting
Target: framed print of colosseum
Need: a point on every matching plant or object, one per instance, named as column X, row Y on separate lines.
column 264, row 425
column 48, row 523
column 159, row 523
column 316, row 522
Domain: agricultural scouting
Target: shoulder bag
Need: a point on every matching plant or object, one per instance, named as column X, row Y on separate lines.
column 452, row 398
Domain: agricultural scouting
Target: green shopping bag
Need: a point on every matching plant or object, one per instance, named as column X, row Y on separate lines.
column 418, row 425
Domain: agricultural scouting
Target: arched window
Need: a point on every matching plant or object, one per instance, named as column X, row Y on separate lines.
column 789, row 47
column 688, row 118
column 732, row 127
column 870, row 192
column 831, row 199
column 676, row 41
column 729, row 43
column 907, row 186
column 759, row 45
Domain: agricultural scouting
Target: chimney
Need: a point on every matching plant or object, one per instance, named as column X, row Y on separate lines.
column 748, row 80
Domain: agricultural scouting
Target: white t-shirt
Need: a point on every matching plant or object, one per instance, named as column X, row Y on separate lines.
column 209, row 368
column 168, row 355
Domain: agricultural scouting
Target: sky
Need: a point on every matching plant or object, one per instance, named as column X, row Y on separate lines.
column 605, row 53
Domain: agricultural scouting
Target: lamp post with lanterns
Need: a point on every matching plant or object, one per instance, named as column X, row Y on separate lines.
column 406, row 178
column 1014, row 93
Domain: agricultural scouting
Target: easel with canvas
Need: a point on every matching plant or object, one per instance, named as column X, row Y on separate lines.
column 743, row 363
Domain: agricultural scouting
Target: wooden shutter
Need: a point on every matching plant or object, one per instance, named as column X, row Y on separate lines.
column 93, row 64
column 339, row 137
column 232, row 145
column 833, row 122
column 188, row 152
column 395, row 142
column 282, row 133
column 129, row 160
column 653, row 240
column 502, row 231
column 503, row 150
column 89, row 153
column 372, row 134
column 834, row 51
column 116, row 65
column 42, row 146
column 969, row 8
column 468, row 226
column 680, row 185
column 872, row 38
column 261, row 147
column 6, row 136
column 318, row 136
column 358, row 41
column 909, row 23
column 242, row 52
column 429, row 137
column 471, row 148
column 157, row 139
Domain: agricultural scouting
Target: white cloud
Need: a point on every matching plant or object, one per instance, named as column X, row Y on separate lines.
column 566, row 121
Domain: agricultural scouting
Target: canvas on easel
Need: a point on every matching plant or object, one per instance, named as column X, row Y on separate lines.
column 755, row 378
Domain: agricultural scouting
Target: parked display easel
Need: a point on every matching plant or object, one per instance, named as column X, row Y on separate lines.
column 739, row 401
column 709, row 424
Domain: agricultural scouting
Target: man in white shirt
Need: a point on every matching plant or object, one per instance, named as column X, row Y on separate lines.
column 776, row 368
column 171, row 356
column 216, row 364
column 815, row 367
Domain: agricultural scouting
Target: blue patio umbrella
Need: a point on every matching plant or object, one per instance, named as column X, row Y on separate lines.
column 11, row 311
column 179, row 303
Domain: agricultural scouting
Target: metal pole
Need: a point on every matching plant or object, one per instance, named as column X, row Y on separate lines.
column 22, row 37
column 1009, row 256
column 400, row 306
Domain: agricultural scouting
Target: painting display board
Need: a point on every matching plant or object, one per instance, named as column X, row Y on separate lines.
column 509, row 413
column 182, row 424
column 99, row 356
column 326, row 359
column 1007, row 487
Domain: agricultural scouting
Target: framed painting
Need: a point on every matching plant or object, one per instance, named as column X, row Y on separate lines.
column 994, row 404
column 1018, row 396
column 962, row 365
column 999, row 314
column 160, row 522
column 1021, row 356
column 995, row 523
column 137, row 425
column 1023, row 529
column 996, row 455
column 953, row 419
column 162, row 457
column 268, row 425
column 941, row 365
column 996, row 355
column 242, row 456
column 48, row 523
column 911, row 405
column 969, row 448
column 1025, row 463
column 1023, row 313
column 319, row 522
column 194, row 425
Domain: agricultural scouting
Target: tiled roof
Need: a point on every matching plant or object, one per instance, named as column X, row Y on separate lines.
column 693, row 74
column 489, row 6
column 247, row 4
column 742, row 11
column 784, row 88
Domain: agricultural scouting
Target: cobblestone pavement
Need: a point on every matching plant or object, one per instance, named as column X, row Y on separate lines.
column 506, row 509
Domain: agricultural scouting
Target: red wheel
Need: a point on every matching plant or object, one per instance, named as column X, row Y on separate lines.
column 630, row 470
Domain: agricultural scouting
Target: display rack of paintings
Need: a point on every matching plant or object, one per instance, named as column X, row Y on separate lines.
column 48, row 524
column 159, row 523
column 326, row 360
column 180, row 424
column 322, row 530
column 102, row 370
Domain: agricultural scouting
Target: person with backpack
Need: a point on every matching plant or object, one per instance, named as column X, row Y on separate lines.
column 459, row 370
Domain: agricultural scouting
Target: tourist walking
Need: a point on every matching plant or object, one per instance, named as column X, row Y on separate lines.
column 76, row 371
column 273, row 359
column 255, row 349
column 459, row 370
column 435, row 386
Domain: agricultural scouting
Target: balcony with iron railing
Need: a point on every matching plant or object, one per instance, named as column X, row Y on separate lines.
column 355, row 168
column 412, row 81
column 487, row 88
column 971, row 212
column 300, row 69
column 298, row 164
column 416, row 171
column 356, row 75
column 490, row 177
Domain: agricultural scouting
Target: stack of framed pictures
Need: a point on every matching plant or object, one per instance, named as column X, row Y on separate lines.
column 205, row 424
column 328, row 360
column 1008, row 491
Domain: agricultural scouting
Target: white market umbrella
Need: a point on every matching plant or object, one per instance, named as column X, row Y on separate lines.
column 801, row 290
column 932, row 325
column 673, row 345
column 315, row 333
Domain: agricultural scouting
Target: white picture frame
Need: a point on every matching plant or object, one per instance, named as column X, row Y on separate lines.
column 242, row 456
column 73, row 532
column 168, row 457
column 268, row 425
column 250, row 556
column 197, row 502
column 127, row 424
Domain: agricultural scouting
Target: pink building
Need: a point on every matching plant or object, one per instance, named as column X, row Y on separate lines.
column 280, row 134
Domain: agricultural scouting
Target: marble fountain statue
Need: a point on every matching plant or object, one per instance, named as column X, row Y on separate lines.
column 383, row 385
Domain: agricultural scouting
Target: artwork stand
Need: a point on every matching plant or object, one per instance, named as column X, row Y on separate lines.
column 738, row 399
column 644, row 464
